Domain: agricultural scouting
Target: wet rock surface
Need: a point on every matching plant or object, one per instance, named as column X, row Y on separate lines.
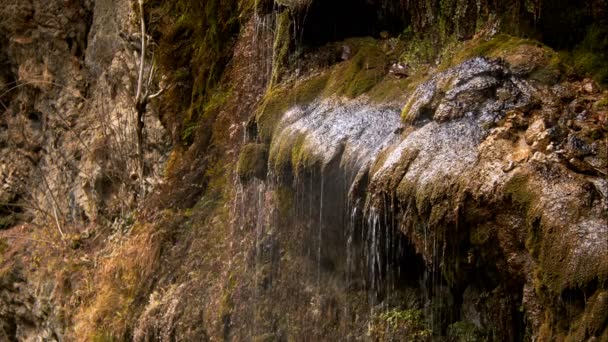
column 340, row 170
column 487, row 160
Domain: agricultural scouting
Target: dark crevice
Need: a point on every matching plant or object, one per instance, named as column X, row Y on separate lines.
column 335, row 20
column 563, row 24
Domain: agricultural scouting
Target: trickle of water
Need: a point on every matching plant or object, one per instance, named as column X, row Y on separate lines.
column 260, row 189
column 320, row 233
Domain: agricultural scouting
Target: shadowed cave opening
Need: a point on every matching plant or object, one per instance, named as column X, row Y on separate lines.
column 335, row 20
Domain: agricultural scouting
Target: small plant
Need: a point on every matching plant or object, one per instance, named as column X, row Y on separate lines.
column 399, row 325
column 464, row 331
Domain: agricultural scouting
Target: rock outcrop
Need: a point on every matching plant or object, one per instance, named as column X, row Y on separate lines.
column 315, row 170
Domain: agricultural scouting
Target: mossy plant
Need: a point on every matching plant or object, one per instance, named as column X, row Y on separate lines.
column 284, row 197
column 464, row 331
column 281, row 46
column 520, row 191
column 290, row 155
column 390, row 89
column 103, row 337
column 536, row 60
column 400, row 325
column 278, row 100
column 590, row 56
column 253, row 162
column 601, row 104
column 360, row 73
column 193, row 53
column 350, row 78
column 3, row 248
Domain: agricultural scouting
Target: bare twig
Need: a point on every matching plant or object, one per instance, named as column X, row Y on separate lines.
column 57, row 221
column 143, row 51
column 158, row 93
column 142, row 97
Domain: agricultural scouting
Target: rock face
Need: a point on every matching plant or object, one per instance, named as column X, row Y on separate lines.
column 485, row 162
column 478, row 147
column 316, row 170
column 66, row 113
column 67, row 140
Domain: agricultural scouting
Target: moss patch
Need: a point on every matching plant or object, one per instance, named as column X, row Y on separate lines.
column 400, row 325
column 359, row 74
column 351, row 78
column 253, row 162
column 591, row 55
column 291, row 156
column 525, row 56
column 277, row 101
column 390, row 89
column 281, row 46
column 193, row 51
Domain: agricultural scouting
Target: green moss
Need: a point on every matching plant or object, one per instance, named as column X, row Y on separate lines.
column 289, row 155
column 498, row 45
column 420, row 53
column 218, row 175
column 253, row 162
column 103, row 337
column 545, row 64
column 591, row 55
column 551, row 72
column 269, row 337
column 3, row 248
column 390, row 89
column 227, row 303
column 280, row 49
column 284, row 197
column 399, row 325
column 601, row 104
column 278, row 100
column 188, row 133
column 361, row 73
column 522, row 195
column 480, row 235
column 201, row 113
column 193, row 53
column 464, row 331
column 405, row 112
column 519, row 191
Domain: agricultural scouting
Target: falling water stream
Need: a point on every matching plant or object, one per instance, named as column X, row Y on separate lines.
column 346, row 136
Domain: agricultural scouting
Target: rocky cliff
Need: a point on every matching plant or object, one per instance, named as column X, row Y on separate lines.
column 311, row 170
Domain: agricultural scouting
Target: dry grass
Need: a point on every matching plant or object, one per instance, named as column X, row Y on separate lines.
column 117, row 284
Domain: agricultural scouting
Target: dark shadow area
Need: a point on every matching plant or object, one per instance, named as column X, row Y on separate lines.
column 335, row 20
column 563, row 24
column 578, row 29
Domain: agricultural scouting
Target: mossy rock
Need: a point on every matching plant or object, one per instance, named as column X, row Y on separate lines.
column 525, row 57
column 464, row 331
column 360, row 73
column 291, row 156
column 590, row 56
column 351, row 78
column 253, row 162
column 519, row 191
column 281, row 46
column 278, row 100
